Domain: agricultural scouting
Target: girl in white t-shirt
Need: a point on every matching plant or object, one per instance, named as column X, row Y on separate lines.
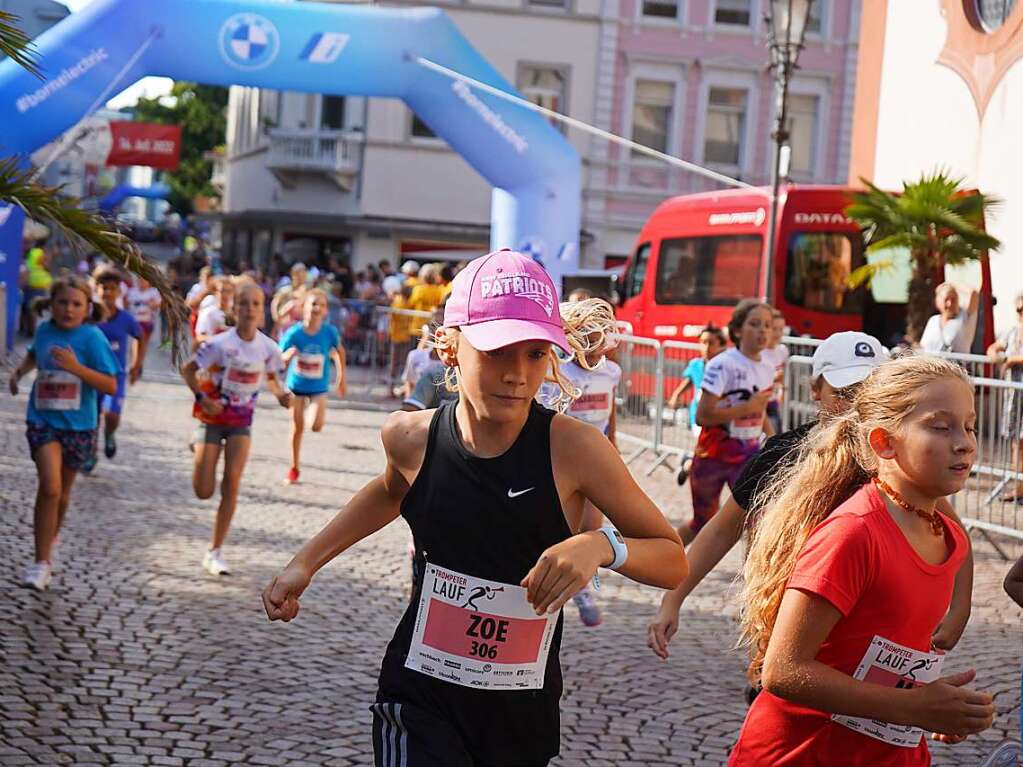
column 595, row 379
column 215, row 310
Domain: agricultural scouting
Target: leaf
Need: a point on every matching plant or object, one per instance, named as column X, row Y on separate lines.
column 43, row 203
column 864, row 274
column 16, row 45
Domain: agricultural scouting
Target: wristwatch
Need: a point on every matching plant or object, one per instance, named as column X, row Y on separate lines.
column 617, row 542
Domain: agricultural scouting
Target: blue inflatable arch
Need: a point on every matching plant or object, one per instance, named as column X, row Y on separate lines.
column 346, row 50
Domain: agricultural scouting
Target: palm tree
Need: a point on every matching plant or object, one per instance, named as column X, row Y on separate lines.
column 937, row 220
column 43, row 203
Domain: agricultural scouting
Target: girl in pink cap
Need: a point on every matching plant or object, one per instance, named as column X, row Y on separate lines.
column 493, row 486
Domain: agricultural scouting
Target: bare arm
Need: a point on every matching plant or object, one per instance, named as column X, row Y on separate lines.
column 612, row 423
column 709, row 414
column 676, row 395
column 373, row 507
column 974, row 304
column 27, row 365
column 340, row 362
column 586, row 463
column 66, row 360
column 709, row 547
column 951, row 628
column 792, row 672
column 283, row 396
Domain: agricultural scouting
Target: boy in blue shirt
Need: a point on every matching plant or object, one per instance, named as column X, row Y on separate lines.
column 120, row 327
column 308, row 348
column 74, row 362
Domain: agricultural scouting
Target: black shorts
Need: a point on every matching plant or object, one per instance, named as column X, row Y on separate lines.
column 405, row 735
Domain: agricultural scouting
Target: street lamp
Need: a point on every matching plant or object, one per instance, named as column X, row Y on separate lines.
column 786, row 27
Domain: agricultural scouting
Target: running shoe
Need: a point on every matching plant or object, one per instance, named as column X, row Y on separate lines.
column 589, row 613
column 292, row 477
column 683, row 473
column 1005, row 755
column 37, row 576
column 109, row 446
column 90, row 464
column 214, row 564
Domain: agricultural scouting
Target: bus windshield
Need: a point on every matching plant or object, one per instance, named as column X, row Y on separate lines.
column 818, row 269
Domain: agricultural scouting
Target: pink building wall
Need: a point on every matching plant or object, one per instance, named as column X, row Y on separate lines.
column 624, row 191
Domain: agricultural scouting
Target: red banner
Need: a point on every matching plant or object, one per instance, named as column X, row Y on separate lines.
column 155, row 146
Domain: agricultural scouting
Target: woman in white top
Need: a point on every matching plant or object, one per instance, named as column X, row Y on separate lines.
column 953, row 328
column 1008, row 351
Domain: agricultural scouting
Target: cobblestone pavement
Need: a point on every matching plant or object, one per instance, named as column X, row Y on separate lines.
column 136, row 657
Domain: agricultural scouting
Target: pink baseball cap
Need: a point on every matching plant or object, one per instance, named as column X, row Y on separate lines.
column 502, row 298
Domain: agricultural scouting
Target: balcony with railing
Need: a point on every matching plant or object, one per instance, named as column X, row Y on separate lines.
column 294, row 153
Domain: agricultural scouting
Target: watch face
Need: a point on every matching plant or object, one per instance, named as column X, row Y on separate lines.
column 619, row 537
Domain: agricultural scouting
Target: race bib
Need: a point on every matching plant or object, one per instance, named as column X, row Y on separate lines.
column 747, row 428
column 479, row 633
column 58, row 390
column 310, row 366
column 892, row 665
column 242, row 379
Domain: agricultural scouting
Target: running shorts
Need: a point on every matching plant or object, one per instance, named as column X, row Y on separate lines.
column 707, row 478
column 214, row 434
column 405, row 735
column 76, row 447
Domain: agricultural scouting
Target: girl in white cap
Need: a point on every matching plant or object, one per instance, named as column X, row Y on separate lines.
column 840, row 365
column 493, row 487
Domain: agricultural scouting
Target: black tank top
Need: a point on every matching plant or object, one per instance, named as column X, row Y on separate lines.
column 471, row 515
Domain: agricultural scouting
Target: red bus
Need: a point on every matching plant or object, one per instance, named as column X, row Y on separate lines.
column 699, row 254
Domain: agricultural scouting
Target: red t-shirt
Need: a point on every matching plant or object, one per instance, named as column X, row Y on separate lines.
column 860, row 561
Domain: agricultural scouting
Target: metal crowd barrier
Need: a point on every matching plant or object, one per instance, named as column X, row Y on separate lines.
column 646, row 422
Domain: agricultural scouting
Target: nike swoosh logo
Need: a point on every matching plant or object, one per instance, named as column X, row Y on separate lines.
column 517, row 493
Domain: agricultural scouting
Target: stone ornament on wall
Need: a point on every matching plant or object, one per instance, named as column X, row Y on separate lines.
column 979, row 56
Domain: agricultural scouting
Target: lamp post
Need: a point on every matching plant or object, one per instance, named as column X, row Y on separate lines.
column 786, row 27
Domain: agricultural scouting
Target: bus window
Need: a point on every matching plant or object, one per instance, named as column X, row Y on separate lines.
column 818, row 269
column 636, row 273
column 709, row 271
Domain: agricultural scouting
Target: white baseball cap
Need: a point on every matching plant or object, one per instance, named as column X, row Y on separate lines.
column 847, row 358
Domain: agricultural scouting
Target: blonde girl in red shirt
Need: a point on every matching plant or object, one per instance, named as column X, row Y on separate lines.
column 850, row 572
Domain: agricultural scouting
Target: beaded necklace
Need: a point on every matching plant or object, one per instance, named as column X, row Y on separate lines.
column 931, row 516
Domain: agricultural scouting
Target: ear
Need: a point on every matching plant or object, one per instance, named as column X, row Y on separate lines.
column 815, row 390
column 881, row 443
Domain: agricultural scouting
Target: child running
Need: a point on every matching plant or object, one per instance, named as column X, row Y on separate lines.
column 776, row 354
column 144, row 303
column 839, row 366
column 493, row 487
column 123, row 332
column 74, row 362
column 736, row 387
column 850, row 572
column 217, row 311
column 594, row 379
column 712, row 342
column 308, row 348
column 232, row 366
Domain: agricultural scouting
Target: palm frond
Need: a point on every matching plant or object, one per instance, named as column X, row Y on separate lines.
column 16, row 45
column 867, row 272
column 44, row 203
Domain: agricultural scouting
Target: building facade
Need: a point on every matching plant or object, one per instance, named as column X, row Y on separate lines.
column 320, row 177
column 937, row 88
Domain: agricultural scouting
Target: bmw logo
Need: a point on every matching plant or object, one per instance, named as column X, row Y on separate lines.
column 248, row 41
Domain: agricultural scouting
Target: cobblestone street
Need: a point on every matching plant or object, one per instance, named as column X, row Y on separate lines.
column 136, row 657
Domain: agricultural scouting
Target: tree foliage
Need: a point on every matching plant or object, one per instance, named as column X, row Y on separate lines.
column 86, row 230
column 200, row 111
column 937, row 220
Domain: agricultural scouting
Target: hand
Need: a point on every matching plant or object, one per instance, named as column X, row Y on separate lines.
column 280, row 598
column 757, row 404
column 211, row 405
column 135, row 374
column 284, row 399
column 13, row 385
column 946, row 707
column 564, row 569
column 65, row 358
column 342, row 386
column 948, row 739
column 947, row 635
column 661, row 629
column 673, row 403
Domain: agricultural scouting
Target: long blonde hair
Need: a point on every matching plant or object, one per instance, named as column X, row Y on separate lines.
column 833, row 463
column 589, row 327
